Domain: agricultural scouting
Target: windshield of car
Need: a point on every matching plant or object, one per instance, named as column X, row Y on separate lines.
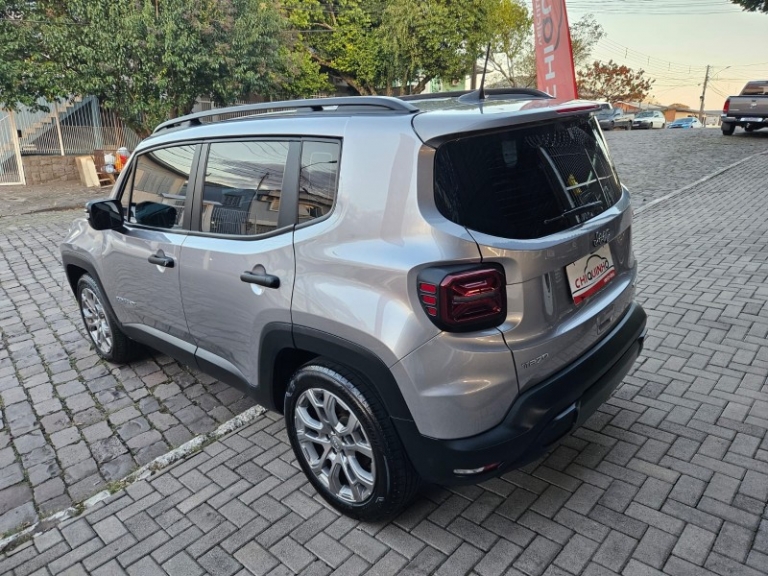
column 755, row 89
column 645, row 115
column 605, row 113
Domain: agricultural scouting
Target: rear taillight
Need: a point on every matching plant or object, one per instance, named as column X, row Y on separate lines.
column 462, row 299
column 727, row 106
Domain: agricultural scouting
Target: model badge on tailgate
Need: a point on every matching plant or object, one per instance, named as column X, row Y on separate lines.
column 601, row 238
column 537, row 360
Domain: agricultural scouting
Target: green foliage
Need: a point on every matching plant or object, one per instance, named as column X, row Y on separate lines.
column 379, row 46
column 151, row 59
column 613, row 82
column 753, row 5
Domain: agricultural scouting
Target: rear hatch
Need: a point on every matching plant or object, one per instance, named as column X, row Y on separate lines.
column 543, row 200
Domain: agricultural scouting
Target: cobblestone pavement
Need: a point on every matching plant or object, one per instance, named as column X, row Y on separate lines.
column 15, row 200
column 670, row 476
column 71, row 423
column 653, row 163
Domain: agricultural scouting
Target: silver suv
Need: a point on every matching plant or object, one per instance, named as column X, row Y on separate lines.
column 431, row 289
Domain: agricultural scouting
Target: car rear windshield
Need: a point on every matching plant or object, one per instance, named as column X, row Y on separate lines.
column 755, row 89
column 527, row 182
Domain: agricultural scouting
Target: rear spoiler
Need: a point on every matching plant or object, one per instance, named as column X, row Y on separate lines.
column 437, row 126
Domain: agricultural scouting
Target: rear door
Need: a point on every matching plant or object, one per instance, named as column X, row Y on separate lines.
column 545, row 202
column 237, row 267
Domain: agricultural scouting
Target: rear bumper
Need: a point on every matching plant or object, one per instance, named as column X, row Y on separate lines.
column 539, row 417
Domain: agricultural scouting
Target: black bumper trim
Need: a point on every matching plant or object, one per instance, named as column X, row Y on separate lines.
column 539, row 416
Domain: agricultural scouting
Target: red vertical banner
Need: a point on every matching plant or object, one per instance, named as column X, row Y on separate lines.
column 554, row 56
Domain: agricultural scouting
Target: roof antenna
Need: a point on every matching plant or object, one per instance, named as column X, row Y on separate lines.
column 481, row 91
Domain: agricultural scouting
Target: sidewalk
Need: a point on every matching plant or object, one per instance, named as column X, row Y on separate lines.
column 669, row 477
column 16, row 200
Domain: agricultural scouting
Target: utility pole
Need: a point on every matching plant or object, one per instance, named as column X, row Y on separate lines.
column 702, row 119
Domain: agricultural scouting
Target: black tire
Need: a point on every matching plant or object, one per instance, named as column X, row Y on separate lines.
column 118, row 348
column 663, row 125
column 395, row 481
column 728, row 129
column 629, row 127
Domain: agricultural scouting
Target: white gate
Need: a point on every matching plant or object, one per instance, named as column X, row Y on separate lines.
column 11, row 169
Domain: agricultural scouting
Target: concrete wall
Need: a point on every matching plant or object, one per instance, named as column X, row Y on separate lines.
column 42, row 169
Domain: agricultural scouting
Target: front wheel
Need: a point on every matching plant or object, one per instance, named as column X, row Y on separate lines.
column 346, row 443
column 103, row 330
column 728, row 129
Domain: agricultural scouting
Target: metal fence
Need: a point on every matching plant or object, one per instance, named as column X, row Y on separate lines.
column 11, row 171
column 71, row 127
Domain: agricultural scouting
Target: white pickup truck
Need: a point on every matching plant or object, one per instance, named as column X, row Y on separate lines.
column 748, row 110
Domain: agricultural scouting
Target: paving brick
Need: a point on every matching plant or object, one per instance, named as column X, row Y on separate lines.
column 615, row 551
column 182, row 565
column 655, row 547
column 734, row 541
column 538, row 556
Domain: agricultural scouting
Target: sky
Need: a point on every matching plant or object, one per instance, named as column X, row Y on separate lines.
column 674, row 40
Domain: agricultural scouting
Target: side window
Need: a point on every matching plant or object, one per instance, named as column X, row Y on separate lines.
column 318, row 179
column 160, row 187
column 243, row 185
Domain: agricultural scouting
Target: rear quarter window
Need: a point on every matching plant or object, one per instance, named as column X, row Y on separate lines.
column 518, row 183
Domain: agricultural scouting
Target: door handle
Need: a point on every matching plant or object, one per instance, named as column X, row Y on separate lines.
column 267, row 280
column 164, row 261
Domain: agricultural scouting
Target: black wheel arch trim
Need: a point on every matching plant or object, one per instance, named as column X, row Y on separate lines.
column 279, row 336
column 72, row 259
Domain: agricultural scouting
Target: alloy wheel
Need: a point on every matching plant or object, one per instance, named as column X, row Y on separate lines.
column 96, row 321
column 335, row 446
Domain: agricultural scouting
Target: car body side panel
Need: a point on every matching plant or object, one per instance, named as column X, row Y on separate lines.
column 458, row 385
column 356, row 270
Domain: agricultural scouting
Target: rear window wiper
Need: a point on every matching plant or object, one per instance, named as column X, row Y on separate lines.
column 575, row 211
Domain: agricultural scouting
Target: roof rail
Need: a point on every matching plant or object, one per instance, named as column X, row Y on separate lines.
column 490, row 94
column 362, row 103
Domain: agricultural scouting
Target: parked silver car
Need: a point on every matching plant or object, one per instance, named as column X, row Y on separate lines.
column 435, row 289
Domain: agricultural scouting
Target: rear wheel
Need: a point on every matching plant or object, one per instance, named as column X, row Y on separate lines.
column 728, row 129
column 103, row 330
column 346, row 443
column 663, row 125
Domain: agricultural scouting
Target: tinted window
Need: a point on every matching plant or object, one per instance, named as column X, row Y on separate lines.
column 242, row 187
column 755, row 89
column 518, row 183
column 160, row 187
column 319, row 175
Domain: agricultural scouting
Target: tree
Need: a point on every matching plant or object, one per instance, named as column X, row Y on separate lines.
column 753, row 5
column 518, row 65
column 151, row 59
column 380, row 46
column 613, row 82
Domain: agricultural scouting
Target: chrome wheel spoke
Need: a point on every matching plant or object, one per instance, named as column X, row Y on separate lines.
column 95, row 319
column 334, row 445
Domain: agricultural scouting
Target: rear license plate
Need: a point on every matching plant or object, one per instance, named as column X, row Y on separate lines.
column 588, row 275
column 751, row 119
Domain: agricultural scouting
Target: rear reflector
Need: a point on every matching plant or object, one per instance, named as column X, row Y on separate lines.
column 463, row 299
column 472, row 471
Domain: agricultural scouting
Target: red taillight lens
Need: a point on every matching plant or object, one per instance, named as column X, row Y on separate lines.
column 727, row 106
column 461, row 299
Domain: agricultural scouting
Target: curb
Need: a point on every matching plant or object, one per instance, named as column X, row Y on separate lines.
column 688, row 187
column 149, row 469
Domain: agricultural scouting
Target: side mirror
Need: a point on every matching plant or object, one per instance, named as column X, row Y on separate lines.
column 105, row 214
